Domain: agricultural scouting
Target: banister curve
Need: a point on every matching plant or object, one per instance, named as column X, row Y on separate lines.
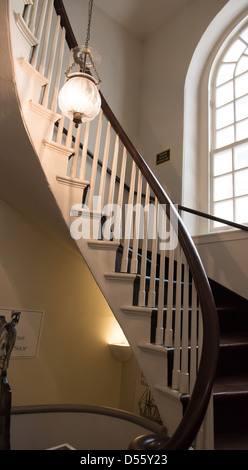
column 197, row 406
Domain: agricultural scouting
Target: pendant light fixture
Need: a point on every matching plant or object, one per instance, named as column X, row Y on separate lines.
column 79, row 98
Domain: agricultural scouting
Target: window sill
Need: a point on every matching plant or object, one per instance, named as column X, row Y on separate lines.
column 221, row 236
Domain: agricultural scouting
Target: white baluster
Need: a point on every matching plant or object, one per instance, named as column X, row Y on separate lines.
column 84, row 152
column 68, row 142
column 177, row 335
column 169, row 311
column 160, row 314
column 184, row 377
column 200, row 335
column 73, row 172
column 46, row 39
column 113, row 172
column 134, row 262
column 161, row 293
column 104, row 169
column 51, row 63
column 152, row 284
column 128, row 219
column 58, row 73
column 27, row 13
column 59, row 135
column 193, row 339
column 118, row 222
column 39, row 33
column 142, row 291
column 33, row 16
column 95, row 161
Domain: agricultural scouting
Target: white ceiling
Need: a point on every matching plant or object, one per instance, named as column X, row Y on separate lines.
column 141, row 17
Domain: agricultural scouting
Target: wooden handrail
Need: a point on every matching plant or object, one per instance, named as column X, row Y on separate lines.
column 196, row 409
column 213, row 217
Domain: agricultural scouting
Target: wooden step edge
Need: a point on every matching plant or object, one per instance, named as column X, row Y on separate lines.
column 168, row 391
column 154, row 349
column 103, row 245
column 32, row 72
column 120, row 277
column 236, row 343
column 62, row 150
column 42, row 111
column 139, row 311
column 231, row 385
column 73, row 182
column 24, row 29
column 230, row 394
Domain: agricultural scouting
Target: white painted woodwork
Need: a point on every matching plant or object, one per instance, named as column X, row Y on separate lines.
column 46, row 38
column 67, row 181
column 136, row 227
column 118, row 224
column 142, row 291
column 129, row 218
column 84, row 152
column 39, row 33
column 152, row 291
column 51, row 63
column 95, row 161
column 33, row 16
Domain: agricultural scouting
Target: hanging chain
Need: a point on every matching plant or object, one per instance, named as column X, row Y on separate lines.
column 89, row 22
column 90, row 8
column 87, row 53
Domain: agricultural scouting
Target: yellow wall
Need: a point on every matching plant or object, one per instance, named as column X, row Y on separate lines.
column 74, row 364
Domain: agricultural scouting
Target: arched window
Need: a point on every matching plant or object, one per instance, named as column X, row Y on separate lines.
column 229, row 132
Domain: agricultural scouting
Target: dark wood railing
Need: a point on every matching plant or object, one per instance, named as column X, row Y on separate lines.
column 213, row 218
column 196, row 409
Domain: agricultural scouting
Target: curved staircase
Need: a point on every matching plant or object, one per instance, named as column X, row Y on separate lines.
column 127, row 229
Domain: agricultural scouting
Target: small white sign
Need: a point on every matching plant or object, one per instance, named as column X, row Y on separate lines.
column 28, row 332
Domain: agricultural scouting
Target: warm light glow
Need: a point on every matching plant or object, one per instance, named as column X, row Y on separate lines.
column 79, row 99
column 114, row 334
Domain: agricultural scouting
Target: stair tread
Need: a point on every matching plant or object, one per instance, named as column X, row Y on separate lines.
column 231, row 440
column 234, row 384
column 233, row 338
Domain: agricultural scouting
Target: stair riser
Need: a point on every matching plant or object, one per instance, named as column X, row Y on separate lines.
column 231, row 413
column 147, row 286
column 232, row 360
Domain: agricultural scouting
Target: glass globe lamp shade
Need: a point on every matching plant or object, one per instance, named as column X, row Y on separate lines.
column 79, row 98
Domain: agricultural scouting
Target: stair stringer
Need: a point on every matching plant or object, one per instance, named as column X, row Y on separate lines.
column 116, row 288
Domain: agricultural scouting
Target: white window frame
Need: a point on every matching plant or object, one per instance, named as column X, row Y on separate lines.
column 229, row 146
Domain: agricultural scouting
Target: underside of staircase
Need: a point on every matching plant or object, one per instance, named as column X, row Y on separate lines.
column 231, row 383
column 163, row 305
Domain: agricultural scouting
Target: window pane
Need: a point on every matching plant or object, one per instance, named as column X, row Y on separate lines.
column 242, row 130
column 224, row 94
column 224, row 210
column 241, row 182
column 235, row 51
column 241, row 85
column 242, row 108
column 225, row 116
column 244, row 35
column 223, row 187
column 225, row 136
column 225, row 73
column 241, row 210
column 242, row 65
column 222, row 162
column 241, row 156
